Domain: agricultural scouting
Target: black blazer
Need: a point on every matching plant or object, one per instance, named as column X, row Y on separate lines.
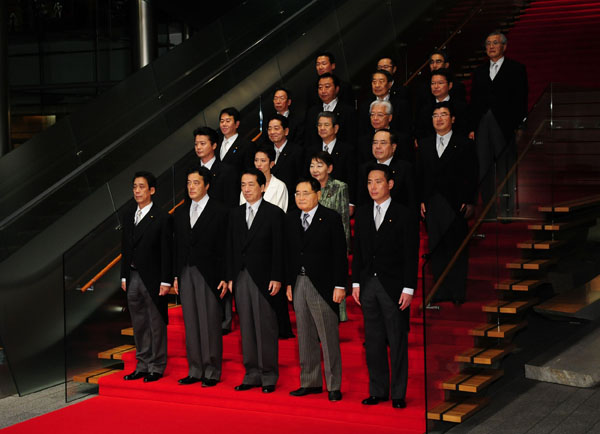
column 295, row 125
column 148, row 247
column 289, row 169
column 224, row 184
column 258, row 249
column 424, row 122
column 454, row 176
column 405, row 148
column 240, row 155
column 202, row 246
column 346, row 116
column 404, row 183
column 321, row 250
column 345, row 95
column 392, row 252
column 506, row 96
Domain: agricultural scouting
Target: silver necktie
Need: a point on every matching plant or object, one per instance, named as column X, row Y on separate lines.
column 194, row 216
column 305, row 223
column 138, row 216
column 378, row 216
column 440, row 148
column 250, row 217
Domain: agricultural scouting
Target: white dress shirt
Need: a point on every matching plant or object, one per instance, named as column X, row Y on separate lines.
column 329, row 146
column 201, row 205
column 440, row 147
column 226, row 145
column 329, row 107
column 495, row 67
column 209, row 163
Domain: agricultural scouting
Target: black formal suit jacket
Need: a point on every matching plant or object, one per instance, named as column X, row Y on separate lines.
column 454, row 176
column 346, row 116
column 202, row 246
column 258, row 249
column 405, row 148
column 506, row 96
column 289, row 169
column 295, row 124
column 404, row 183
column 401, row 118
column 424, row 122
column 392, row 252
column 344, row 164
column 345, row 95
column 148, row 247
column 224, row 184
column 321, row 250
column 240, row 154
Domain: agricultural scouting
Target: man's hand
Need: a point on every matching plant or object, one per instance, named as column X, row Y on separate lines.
column 274, row 287
column 224, row 287
column 351, row 210
column 356, row 294
column 176, row 286
column 124, row 286
column 423, row 210
column 288, row 292
column 164, row 290
column 405, row 300
column 472, row 135
column 230, row 286
column 338, row 295
column 468, row 210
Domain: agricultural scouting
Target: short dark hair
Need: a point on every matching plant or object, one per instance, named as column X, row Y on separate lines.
column 392, row 133
column 387, row 57
column 388, row 76
column 260, row 177
column 209, row 132
column 444, row 72
column 387, row 172
column 148, row 176
column 324, row 156
column 442, row 53
column 200, row 170
column 281, row 118
column 267, row 150
column 330, row 115
column 443, row 104
column 231, row 111
column 327, row 54
column 336, row 80
column 314, row 184
column 283, row 89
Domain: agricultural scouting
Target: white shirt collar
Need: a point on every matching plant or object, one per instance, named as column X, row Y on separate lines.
column 445, row 99
column 280, row 149
column 254, row 206
column 385, row 98
column 330, row 145
column 310, row 213
column 226, row 145
column 144, row 211
column 201, row 204
column 209, row 163
column 386, row 162
column 384, row 206
column 330, row 106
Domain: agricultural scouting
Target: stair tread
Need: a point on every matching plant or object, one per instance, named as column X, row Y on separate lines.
column 518, row 284
column 571, row 205
column 482, row 355
column 497, row 331
column 116, row 353
column 509, row 306
column 540, row 244
column 472, row 380
column 86, row 377
column 465, row 409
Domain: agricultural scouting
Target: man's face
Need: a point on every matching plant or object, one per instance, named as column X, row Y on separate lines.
column 327, row 90
column 323, row 65
column 262, row 162
column 379, row 188
column 326, row 129
column 386, row 64
column 277, row 134
column 228, row 125
column 319, row 170
column 380, row 85
column 379, row 118
column 251, row 189
column 436, row 61
column 494, row 47
column 306, row 198
column 281, row 103
column 204, row 149
column 142, row 194
column 442, row 121
column 440, row 86
column 383, row 148
column 196, row 187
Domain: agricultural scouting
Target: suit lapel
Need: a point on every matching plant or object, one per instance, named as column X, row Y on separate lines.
column 141, row 227
column 202, row 218
column 256, row 223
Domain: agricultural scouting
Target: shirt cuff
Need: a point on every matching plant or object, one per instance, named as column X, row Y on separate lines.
column 409, row 291
column 340, row 287
column 355, row 285
column 165, row 284
column 123, row 280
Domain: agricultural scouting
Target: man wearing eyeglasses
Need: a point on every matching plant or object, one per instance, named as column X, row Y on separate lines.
column 447, row 174
column 438, row 59
column 282, row 104
column 498, row 107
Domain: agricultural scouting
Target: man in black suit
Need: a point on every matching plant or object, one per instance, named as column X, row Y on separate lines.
column 146, row 273
column 328, row 91
column 289, row 156
column 325, row 64
column 255, row 270
column 498, row 106
column 389, row 64
column 317, row 275
column 438, row 59
column 384, row 146
column 200, row 233
column 448, row 190
column 282, row 101
column 384, row 277
column 233, row 149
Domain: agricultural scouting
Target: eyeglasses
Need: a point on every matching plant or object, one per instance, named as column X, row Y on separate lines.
column 440, row 115
column 279, row 98
column 494, row 43
column 380, row 142
column 378, row 115
column 436, row 61
column 439, row 83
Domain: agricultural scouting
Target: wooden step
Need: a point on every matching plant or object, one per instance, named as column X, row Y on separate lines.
column 92, row 377
column 572, row 205
column 116, row 353
column 497, row 331
column 127, row 332
column 562, row 226
column 540, row 244
column 483, row 356
column 508, row 306
column 457, row 411
column 472, row 380
column 530, row 264
column 573, row 303
column 518, row 285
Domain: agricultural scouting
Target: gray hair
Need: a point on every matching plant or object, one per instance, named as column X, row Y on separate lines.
column 498, row 33
column 388, row 106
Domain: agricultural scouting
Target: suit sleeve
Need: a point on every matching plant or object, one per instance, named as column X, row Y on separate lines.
column 166, row 251
column 277, row 264
column 340, row 258
column 411, row 249
column 222, row 228
column 357, row 250
column 229, row 252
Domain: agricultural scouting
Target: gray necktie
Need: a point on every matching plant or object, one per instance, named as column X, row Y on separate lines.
column 305, row 223
column 250, row 217
column 494, row 71
column 378, row 216
column 440, row 147
column 194, row 216
column 277, row 154
column 138, row 216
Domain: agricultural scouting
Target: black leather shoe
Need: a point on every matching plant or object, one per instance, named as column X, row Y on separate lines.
column 243, row 387
column 152, row 376
column 335, row 395
column 268, row 389
column 398, row 403
column 373, row 400
column 209, row 382
column 135, row 375
column 188, row 380
column 306, row 391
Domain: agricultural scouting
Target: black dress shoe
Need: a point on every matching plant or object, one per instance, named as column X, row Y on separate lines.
column 243, row 387
column 335, row 395
column 135, row 375
column 398, row 403
column 188, row 380
column 152, row 376
column 373, row 400
column 306, row 391
column 209, row 382
column 268, row 389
